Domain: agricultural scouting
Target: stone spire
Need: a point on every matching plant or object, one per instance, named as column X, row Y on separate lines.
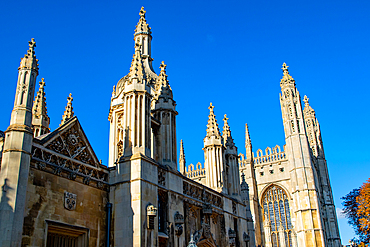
column 142, row 27
column 39, row 105
column 164, row 88
column 287, row 80
column 212, row 126
column 308, row 111
column 40, row 118
column 163, row 75
column 248, row 143
column 313, row 129
column 226, row 133
column 68, row 113
column 144, row 38
column 182, row 160
column 137, row 69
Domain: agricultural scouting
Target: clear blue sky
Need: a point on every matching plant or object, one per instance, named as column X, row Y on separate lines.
column 228, row 54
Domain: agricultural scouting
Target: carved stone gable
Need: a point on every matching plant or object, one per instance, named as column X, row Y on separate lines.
column 70, row 140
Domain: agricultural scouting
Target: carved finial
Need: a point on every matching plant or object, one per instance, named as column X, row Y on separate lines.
column 243, row 177
column 285, row 68
column 32, row 44
column 305, row 100
column 163, row 67
column 211, row 107
column 225, row 118
column 68, row 113
column 42, row 83
column 142, row 12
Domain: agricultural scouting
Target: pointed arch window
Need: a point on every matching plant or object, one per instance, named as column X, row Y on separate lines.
column 276, row 208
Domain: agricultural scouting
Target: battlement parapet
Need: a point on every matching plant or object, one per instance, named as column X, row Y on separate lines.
column 198, row 172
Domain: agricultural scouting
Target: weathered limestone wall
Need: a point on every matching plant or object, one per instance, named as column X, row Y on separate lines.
column 45, row 201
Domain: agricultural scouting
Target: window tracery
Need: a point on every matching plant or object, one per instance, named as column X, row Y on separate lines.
column 276, row 208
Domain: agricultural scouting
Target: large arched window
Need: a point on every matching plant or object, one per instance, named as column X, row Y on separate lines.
column 276, row 210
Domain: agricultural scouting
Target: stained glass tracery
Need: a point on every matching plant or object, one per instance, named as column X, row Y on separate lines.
column 276, row 208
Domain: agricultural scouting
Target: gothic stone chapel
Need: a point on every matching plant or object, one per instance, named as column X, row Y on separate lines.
column 55, row 192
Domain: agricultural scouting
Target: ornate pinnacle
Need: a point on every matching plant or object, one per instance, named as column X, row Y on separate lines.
column 182, row 156
column 287, row 78
column 162, row 74
column 247, row 136
column 182, row 153
column 137, row 69
column 212, row 126
column 142, row 27
column 68, row 113
column 32, row 45
column 29, row 60
column 308, row 110
column 39, row 105
column 226, row 131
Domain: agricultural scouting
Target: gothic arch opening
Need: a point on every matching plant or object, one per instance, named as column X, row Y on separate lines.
column 277, row 220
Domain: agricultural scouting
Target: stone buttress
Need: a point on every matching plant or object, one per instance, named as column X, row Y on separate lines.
column 326, row 196
column 248, row 169
column 16, row 158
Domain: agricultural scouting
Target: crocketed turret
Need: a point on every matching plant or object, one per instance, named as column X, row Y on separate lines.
column 40, row 118
column 68, row 113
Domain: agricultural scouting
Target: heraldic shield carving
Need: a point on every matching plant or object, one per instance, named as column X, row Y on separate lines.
column 70, row 200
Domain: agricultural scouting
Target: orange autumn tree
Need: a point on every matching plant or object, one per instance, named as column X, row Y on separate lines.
column 363, row 211
column 357, row 211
